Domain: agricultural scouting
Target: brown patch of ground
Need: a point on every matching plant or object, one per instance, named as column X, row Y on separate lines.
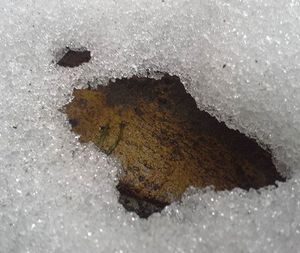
column 74, row 58
column 164, row 142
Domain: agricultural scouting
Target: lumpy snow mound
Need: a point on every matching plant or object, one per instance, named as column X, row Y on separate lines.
column 240, row 60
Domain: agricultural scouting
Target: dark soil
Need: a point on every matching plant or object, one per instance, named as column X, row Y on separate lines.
column 165, row 143
column 74, row 58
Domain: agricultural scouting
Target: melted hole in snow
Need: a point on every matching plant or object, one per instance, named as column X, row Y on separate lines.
column 164, row 142
column 74, row 58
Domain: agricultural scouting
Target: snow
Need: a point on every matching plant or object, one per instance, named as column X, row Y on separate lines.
column 58, row 195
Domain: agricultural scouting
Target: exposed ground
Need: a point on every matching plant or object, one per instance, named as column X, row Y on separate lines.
column 164, row 142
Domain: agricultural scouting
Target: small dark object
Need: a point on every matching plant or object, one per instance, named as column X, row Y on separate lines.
column 143, row 207
column 73, row 122
column 74, row 58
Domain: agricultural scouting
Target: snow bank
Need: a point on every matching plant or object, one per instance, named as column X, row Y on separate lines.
column 239, row 59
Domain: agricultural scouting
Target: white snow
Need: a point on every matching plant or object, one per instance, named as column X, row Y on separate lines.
column 57, row 195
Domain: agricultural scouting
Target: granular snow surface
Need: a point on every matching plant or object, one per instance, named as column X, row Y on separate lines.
column 240, row 60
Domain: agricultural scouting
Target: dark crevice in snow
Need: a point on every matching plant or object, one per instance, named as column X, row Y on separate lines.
column 74, row 58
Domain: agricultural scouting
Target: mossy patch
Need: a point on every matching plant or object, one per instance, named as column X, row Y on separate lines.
column 164, row 142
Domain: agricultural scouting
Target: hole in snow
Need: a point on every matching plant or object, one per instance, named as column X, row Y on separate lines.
column 164, row 142
column 74, row 57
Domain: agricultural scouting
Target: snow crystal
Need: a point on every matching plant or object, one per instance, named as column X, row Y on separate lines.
column 240, row 60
